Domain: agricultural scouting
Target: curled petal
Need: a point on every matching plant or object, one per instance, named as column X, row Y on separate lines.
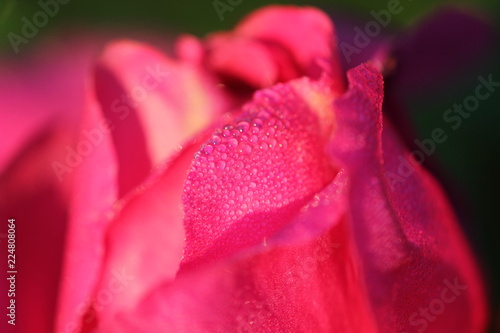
column 286, row 42
column 241, row 187
column 410, row 245
column 155, row 103
column 314, row 39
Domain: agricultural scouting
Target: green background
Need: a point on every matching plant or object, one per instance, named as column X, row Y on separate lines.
column 469, row 158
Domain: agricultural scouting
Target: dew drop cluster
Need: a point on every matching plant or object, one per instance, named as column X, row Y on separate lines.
column 252, row 175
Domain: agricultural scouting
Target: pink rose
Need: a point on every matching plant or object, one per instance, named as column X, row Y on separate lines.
column 245, row 185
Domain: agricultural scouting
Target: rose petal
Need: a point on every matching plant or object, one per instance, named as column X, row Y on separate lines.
column 253, row 176
column 231, row 59
column 41, row 100
column 145, row 241
column 156, row 103
column 409, row 242
column 314, row 40
column 134, row 137
column 286, row 42
column 94, row 193
column 291, row 283
column 38, row 91
column 31, row 194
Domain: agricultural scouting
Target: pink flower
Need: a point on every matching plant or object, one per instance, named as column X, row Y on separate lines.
column 245, row 186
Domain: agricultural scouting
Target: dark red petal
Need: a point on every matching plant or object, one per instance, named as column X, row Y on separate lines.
column 254, row 175
column 31, row 194
column 409, row 242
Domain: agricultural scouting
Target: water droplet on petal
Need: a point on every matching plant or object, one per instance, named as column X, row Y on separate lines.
column 245, row 149
column 208, row 149
column 243, row 126
column 221, row 165
column 232, row 143
column 263, row 114
column 216, row 139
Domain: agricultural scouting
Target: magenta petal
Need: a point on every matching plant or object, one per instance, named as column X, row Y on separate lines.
column 41, row 100
column 94, row 193
column 41, row 91
column 295, row 282
column 307, row 33
column 284, row 42
column 145, row 241
column 241, row 188
column 155, row 104
column 409, row 242
column 231, row 59
column 282, row 290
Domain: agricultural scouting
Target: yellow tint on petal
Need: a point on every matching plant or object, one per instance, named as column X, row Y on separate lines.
column 155, row 123
column 319, row 97
column 196, row 116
